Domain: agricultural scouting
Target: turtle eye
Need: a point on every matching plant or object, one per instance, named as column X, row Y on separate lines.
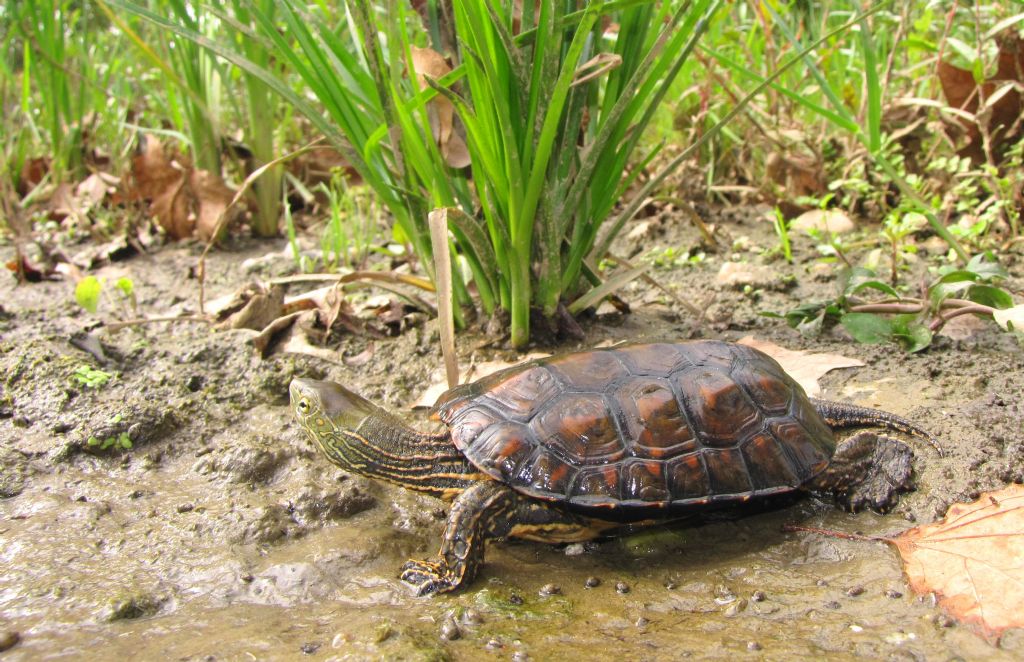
column 303, row 407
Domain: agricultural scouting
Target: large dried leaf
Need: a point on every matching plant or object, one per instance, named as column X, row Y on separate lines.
column 184, row 201
column 805, row 367
column 973, row 561
column 428, row 62
column 1004, row 105
column 212, row 198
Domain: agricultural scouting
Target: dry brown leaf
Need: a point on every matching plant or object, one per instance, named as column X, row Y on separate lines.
column 212, row 198
column 961, row 91
column 152, row 171
column 253, row 307
column 806, row 368
column 428, row 62
column 475, row 371
column 171, row 209
column 973, row 561
column 32, row 173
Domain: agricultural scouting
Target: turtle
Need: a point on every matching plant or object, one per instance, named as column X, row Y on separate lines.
column 568, row 448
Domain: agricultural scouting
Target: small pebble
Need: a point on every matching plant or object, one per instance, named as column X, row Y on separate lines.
column 9, row 639
column 450, row 629
column 892, row 593
column 735, row 608
column 822, row 582
column 832, row 604
column 515, row 599
column 642, row 622
column 310, row 647
column 574, row 549
column 758, row 596
column 494, row 645
column 944, row 621
column 753, row 646
column 621, row 587
column 520, row 656
column 592, row 582
column 382, row 633
column 186, row 508
column 854, row 591
column 472, row 617
column 670, row 584
column 550, row 589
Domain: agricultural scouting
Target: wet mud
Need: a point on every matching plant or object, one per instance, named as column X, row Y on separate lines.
column 222, row 534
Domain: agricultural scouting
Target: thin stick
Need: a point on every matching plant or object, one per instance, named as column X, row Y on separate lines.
column 789, row 528
column 201, row 270
column 114, row 326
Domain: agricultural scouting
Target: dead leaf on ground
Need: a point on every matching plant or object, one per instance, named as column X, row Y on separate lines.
column 473, row 372
column 251, row 307
column 212, row 198
column 1004, row 113
column 318, row 165
column 972, row 561
column 32, row 173
column 184, row 201
column 798, row 174
column 805, row 367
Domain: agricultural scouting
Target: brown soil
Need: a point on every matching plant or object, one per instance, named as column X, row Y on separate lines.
column 222, row 535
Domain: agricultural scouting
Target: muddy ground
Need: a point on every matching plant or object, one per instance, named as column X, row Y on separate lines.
column 222, row 535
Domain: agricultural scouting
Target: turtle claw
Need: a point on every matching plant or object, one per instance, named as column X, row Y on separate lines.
column 426, row 577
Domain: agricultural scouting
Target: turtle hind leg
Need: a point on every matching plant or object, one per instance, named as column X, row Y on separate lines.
column 868, row 470
column 480, row 512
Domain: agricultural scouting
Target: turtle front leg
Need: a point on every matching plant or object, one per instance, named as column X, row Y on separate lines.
column 485, row 510
column 868, row 470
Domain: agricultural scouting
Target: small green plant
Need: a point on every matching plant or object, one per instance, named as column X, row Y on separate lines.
column 120, row 441
column 90, row 290
column 781, row 226
column 912, row 322
column 896, row 228
column 90, row 377
column 351, row 224
column 673, row 257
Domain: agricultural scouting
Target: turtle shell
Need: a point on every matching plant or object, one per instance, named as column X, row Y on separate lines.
column 645, row 426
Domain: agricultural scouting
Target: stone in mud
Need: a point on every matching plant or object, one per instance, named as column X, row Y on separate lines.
column 738, row 275
column 253, row 464
column 272, row 523
column 824, row 220
column 9, row 639
column 14, row 469
column 314, row 506
column 132, row 605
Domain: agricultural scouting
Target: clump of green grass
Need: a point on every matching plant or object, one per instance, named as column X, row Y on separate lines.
column 542, row 181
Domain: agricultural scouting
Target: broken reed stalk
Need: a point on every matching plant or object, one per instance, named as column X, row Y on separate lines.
column 437, row 221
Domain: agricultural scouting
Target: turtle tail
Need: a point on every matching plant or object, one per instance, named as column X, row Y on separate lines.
column 843, row 415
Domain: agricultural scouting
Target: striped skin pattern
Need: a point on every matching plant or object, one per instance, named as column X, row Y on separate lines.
column 656, row 426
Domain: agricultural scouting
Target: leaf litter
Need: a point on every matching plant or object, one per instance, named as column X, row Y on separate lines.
column 973, row 561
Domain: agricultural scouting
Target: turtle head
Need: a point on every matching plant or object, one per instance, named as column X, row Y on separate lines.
column 324, row 407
